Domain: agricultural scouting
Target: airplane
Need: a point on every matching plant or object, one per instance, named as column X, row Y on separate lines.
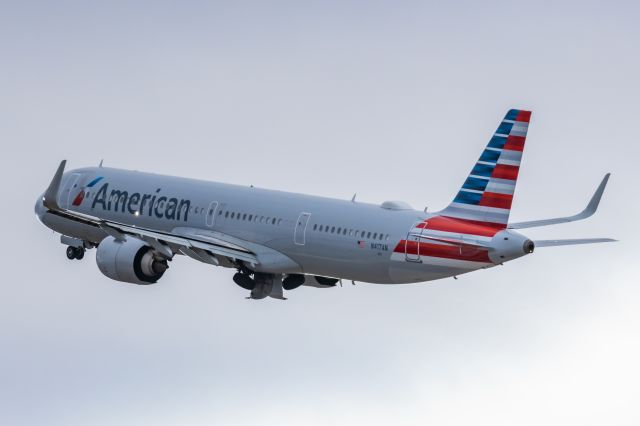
column 277, row 241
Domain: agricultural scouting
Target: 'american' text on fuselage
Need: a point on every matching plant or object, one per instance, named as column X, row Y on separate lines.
column 160, row 206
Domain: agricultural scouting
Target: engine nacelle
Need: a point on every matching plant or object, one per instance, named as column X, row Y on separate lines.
column 131, row 261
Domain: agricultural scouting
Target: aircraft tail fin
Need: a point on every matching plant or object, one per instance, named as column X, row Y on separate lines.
column 486, row 195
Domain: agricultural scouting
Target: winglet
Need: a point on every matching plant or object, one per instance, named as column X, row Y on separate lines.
column 587, row 212
column 50, row 197
column 595, row 200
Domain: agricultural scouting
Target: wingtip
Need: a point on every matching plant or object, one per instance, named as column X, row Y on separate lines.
column 51, row 194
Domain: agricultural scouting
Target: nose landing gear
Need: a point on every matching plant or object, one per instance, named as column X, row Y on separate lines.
column 75, row 253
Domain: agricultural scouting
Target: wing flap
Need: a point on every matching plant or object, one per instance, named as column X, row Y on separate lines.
column 236, row 252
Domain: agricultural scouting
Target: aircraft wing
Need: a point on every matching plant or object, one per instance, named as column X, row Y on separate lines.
column 587, row 212
column 205, row 250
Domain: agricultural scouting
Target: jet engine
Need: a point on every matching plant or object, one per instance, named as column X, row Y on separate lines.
column 130, row 261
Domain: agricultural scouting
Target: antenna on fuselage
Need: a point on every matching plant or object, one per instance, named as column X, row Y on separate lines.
column 100, row 165
column 353, row 199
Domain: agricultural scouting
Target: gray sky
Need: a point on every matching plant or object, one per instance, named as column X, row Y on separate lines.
column 392, row 100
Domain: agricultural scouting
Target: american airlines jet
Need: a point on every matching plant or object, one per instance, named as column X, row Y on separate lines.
column 279, row 241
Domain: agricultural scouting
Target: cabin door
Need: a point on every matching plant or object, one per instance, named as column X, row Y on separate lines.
column 412, row 243
column 301, row 229
column 211, row 214
column 73, row 191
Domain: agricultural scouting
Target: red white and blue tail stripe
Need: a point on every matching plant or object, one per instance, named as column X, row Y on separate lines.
column 485, row 197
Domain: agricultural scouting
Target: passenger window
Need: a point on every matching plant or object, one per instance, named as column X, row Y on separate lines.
column 226, row 214
column 315, row 226
column 362, row 234
column 250, row 217
column 375, row 236
column 368, row 234
column 333, row 229
column 320, row 228
column 326, row 229
column 244, row 216
column 344, row 231
column 339, row 230
column 351, row 232
column 261, row 219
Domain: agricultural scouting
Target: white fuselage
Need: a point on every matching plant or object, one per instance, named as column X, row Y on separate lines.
column 317, row 236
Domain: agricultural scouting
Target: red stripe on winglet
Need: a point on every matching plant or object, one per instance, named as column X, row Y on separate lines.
column 514, row 143
column 524, row 116
column 503, row 171
column 493, row 199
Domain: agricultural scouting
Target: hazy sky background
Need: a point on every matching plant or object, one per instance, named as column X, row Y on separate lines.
column 392, row 100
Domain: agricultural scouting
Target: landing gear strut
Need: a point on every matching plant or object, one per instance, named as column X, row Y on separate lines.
column 75, row 253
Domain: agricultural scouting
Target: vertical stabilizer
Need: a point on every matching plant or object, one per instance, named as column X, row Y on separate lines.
column 486, row 195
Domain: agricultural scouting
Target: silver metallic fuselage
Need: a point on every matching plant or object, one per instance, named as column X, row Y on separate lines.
column 356, row 242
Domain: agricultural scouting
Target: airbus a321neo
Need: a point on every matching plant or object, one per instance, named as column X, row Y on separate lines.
column 279, row 241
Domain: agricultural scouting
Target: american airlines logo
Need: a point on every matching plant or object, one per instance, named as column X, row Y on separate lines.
column 136, row 203
column 80, row 197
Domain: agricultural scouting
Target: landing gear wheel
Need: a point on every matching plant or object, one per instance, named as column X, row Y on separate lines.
column 75, row 253
column 71, row 253
column 79, row 253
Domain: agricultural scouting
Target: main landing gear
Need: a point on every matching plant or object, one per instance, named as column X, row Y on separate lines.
column 75, row 253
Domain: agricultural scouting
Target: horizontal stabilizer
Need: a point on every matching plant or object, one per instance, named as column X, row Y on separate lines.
column 553, row 243
column 587, row 212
